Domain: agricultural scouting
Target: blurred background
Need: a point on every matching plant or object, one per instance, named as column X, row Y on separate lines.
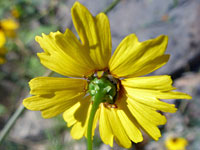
column 179, row 19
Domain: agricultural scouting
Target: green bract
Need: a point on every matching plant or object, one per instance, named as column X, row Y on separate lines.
column 104, row 86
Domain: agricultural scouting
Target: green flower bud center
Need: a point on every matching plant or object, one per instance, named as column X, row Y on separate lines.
column 106, row 87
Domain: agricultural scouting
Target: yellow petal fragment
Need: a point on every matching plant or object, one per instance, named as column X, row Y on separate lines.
column 161, row 82
column 105, row 129
column 59, row 59
column 94, row 34
column 144, row 120
column 176, row 143
column 2, row 60
column 3, row 51
column 129, row 123
column 119, row 133
column 2, row 38
column 131, row 56
column 52, row 104
column 49, row 85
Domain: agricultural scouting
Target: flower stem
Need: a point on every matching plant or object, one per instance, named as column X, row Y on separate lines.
column 97, row 100
column 111, row 6
column 11, row 122
column 16, row 115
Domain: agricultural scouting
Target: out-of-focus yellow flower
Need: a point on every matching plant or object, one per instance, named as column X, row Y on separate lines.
column 137, row 101
column 15, row 12
column 176, row 143
column 7, row 28
column 2, row 55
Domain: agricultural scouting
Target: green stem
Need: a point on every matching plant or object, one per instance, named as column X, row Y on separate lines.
column 11, row 122
column 111, row 6
column 97, row 100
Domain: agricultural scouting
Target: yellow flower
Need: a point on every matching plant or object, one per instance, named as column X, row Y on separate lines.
column 7, row 28
column 136, row 104
column 178, row 143
column 2, row 55
column 15, row 12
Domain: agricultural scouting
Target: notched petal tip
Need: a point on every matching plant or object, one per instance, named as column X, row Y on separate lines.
column 32, row 85
column 43, row 36
column 164, row 37
column 25, row 103
column 37, row 38
column 77, row 4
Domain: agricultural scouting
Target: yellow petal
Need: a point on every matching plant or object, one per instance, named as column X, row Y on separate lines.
column 157, row 94
column 81, row 115
column 161, row 82
column 103, row 29
column 54, row 95
column 153, row 103
column 49, row 85
column 72, row 46
column 129, row 123
column 52, row 105
column 61, row 59
column 68, row 115
column 117, row 128
column 105, row 129
column 131, row 56
column 148, row 113
column 94, row 34
column 144, row 117
column 151, row 66
column 2, row 38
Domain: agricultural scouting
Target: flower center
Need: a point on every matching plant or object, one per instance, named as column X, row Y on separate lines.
column 105, row 85
column 174, row 140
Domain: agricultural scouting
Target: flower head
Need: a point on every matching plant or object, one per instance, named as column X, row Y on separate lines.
column 15, row 12
column 132, row 102
column 176, row 143
column 7, row 28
